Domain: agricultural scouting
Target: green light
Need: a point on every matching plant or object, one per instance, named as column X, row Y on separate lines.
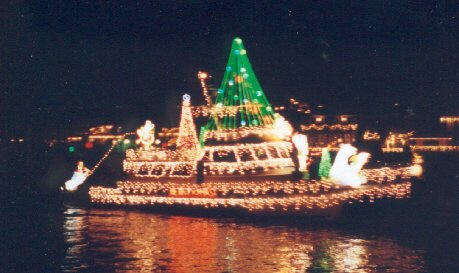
column 238, row 40
column 325, row 164
column 71, row 149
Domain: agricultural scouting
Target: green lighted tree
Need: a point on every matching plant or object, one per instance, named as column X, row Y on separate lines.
column 240, row 100
column 325, row 164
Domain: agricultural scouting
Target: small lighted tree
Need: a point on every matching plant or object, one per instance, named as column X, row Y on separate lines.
column 325, row 164
column 187, row 139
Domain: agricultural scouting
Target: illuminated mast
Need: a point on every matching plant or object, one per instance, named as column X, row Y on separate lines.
column 203, row 76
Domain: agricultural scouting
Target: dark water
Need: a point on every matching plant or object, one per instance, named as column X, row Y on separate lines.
column 42, row 234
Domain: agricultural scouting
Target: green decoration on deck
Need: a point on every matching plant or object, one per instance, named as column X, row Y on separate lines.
column 240, row 100
column 325, row 164
column 201, row 136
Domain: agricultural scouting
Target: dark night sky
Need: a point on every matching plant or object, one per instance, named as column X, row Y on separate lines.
column 66, row 63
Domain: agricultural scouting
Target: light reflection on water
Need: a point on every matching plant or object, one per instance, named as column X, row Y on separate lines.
column 131, row 241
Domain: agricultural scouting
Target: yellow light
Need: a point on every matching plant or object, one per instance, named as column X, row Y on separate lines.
column 202, row 75
column 416, row 170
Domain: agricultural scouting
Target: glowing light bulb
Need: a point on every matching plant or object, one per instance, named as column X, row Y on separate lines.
column 202, row 75
column 416, row 170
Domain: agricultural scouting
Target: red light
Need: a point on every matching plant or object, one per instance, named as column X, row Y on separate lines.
column 89, row 145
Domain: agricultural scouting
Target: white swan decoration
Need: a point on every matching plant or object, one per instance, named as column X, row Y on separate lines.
column 344, row 174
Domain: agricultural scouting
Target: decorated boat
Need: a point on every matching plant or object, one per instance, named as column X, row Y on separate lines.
column 246, row 157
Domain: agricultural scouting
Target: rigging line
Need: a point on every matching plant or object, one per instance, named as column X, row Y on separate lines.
column 105, row 156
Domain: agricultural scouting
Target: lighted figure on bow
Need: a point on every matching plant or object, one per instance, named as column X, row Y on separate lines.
column 146, row 135
column 78, row 178
column 348, row 174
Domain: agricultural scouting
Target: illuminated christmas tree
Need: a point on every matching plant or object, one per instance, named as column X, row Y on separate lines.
column 243, row 134
column 187, row 139
column 325, row 164
column 240, row 100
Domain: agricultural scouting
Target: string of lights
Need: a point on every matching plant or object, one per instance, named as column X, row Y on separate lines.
column 105, row 156
column 294, row 203
column 442, row 148
column 341, row 127
column 203, row 76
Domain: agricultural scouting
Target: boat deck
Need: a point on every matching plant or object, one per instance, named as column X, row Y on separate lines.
column 253, row 196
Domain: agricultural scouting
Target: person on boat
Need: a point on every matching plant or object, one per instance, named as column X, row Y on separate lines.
column 78, row 177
